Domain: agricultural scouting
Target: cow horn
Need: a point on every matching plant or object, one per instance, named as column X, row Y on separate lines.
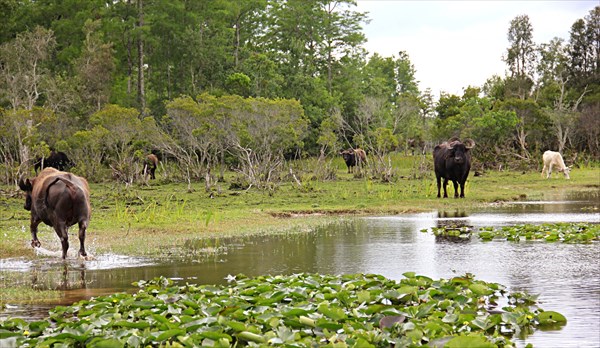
column 469, row 143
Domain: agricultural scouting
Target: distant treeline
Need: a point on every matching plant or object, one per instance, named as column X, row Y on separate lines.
column 247, row 85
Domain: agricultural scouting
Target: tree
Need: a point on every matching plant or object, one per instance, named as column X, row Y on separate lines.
column 121, row 132
column 95, row 67
column 23, row 67
column 521, row 55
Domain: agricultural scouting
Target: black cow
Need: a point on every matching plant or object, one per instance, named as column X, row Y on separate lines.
column 354, row 157
column 58, row 160
column 452, row 161
column 60, row 200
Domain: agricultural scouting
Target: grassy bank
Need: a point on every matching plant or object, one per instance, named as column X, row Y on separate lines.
column 166, row 215
column 161, row 218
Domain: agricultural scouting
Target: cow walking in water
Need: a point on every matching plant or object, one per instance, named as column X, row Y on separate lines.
column 60, row 200
column 452, row 161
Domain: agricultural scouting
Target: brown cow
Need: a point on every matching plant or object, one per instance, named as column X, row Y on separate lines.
column 60, row 200
column 354, row 157
column 150, row 164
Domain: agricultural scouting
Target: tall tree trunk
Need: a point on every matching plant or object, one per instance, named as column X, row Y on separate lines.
column 141, row 90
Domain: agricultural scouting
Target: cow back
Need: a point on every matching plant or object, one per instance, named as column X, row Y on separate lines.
column 50, row 183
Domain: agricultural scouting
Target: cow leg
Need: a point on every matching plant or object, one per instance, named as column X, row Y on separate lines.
column 63, row 234
column 445, row 188
column 543, row 170
column 82, row 229
column 34, row 228
column 152, row 170
column 439, row 185
column 462, row 190
column 549, row 171
column 455, row 183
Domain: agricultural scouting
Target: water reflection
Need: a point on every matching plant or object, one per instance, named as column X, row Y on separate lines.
column 567, row 276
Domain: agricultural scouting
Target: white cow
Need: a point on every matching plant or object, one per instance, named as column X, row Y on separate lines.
column 552, row 158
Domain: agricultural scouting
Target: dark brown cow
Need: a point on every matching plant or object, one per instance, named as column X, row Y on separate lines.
column 58, row 160
column 150, row 164
column 60, row 200
column 354, row 157
column 452, row 161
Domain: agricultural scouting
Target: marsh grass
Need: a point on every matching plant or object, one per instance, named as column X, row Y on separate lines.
column 148, row 219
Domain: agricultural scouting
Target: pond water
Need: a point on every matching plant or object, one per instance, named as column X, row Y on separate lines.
column 567, row 276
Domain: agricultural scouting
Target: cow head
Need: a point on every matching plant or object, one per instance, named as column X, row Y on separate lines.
column 348, row 155
column 459, row 150
column 566, row 172
column 27, row 186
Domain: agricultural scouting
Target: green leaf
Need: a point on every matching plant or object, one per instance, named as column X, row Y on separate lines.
column 332, row 312
column 329, row 325
column 549, row 318
column 469, row 342
column 105, row 343
column 170, row 333
column 132, row 325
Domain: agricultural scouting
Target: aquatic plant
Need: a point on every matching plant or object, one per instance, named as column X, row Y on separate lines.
column 360, row 310
column 550, row 232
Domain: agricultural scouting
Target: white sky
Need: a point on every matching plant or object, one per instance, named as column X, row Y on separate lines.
column 454, row 44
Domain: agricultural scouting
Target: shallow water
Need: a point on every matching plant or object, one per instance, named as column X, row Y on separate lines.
column 567, row 276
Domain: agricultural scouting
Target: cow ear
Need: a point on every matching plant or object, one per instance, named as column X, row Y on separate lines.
column 25, row 184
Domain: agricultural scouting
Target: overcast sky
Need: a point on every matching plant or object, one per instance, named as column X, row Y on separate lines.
column 454, row 44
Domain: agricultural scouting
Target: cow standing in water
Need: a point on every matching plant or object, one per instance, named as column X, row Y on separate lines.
column 452, row 161
column 150, row 164
column 60, row 200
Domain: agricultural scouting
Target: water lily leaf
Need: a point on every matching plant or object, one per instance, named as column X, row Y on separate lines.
column 363, row 296
column 128, row 324
column 372, row 309
column 236, row 325
column 482, row 323
column 99, row 342
column 295, row 312
column 416, row 335
column 215, row 335
column 329, row 325
column 6, row 334
column 169, row 334
column 143, row 304
column 480, row 289
column 450, row 318
column 250, row 336
column 549, row 318
column 425, row 309
column 390, row 320
column 469, row 342
column 332, row 312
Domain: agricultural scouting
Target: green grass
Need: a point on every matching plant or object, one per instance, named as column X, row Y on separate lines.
column 144, row 220
column 168, row 214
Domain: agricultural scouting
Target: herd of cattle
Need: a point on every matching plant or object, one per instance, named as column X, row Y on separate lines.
column 61, row 199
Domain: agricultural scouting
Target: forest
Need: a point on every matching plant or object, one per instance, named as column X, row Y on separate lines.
column 250, row 86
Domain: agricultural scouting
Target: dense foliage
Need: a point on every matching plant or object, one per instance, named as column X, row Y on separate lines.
column 109, row 81
column 298, row 311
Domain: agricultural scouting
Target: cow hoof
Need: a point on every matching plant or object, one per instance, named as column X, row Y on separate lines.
column 36, row 243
